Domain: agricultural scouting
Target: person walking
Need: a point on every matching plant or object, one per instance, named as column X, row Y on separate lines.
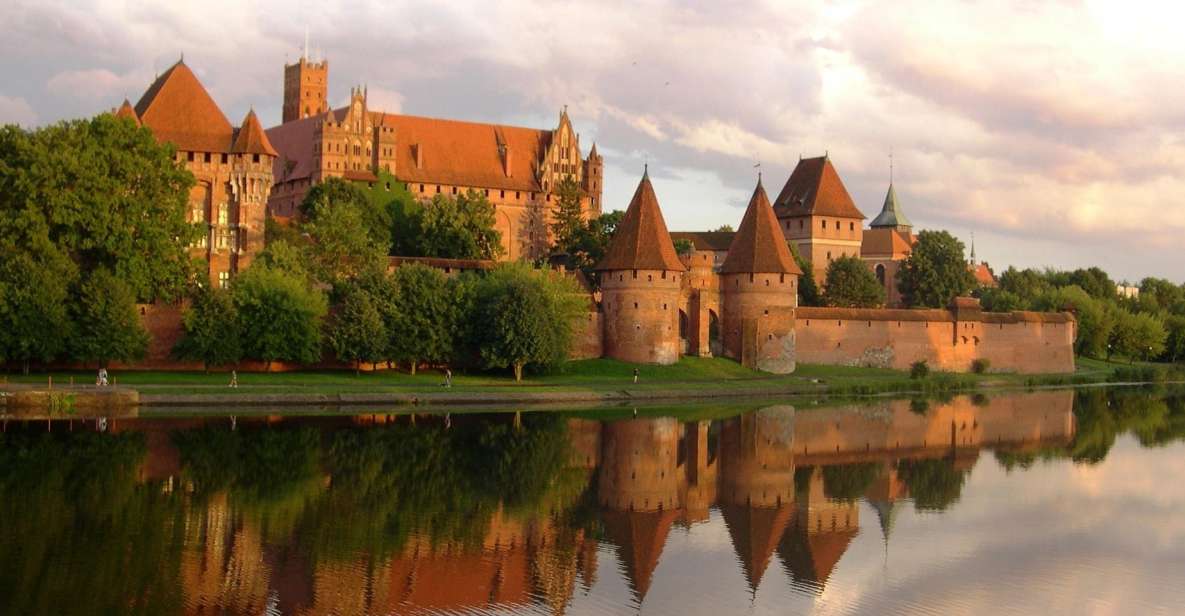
column 635, row 375
column 448, row 378
column 234, row 379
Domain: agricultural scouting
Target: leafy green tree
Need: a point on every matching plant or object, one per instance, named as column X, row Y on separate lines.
column 933, row 484
column 34, row 296
column 999, row 300
column 285, row 256
column 850, row 284
column 1174, row 345
column 808, row 289
column 103, row 192
column 527, row 317
column 280, row 315
column 568, row 217
column 340, row 244
column 684, row 247
column 1095, row 318
column 1137, row 336
column 1163, row 294
column 725, row 229
column 336, row 194
column 426, row 322
column 211, row 330
column 107, row 324
column 935, row 272
column 452, row 228
column 356, row 331
column 1027, row 284
column 1094, row 281
column 848, row 482
column 591, row 242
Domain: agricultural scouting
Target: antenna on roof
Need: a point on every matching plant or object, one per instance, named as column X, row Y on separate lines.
column 758, row 168
column 182, row 60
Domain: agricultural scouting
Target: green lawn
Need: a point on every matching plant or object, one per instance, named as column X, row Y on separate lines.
column 586, row 375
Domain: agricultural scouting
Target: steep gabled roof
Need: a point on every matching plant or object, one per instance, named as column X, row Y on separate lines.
column 886, row 242
column 891, row 214
column 178, row 109
column 755, row 534
column 814, row 188
column 811, row 557
column 125, row 111
column 706, row 240
column 640, row 537
column 251, row 139
column 642, row 240
column 759, row 245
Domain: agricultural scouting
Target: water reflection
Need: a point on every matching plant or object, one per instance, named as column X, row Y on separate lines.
column 547, row 513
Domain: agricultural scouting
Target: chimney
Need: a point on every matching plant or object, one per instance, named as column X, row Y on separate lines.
column 506, row 160
column 417, row 153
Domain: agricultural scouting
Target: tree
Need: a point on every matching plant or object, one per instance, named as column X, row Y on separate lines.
column 425, row 322
column 34, row 295
column 357, row 332
column 934, row 484
column 1163, row 294
column 934, row 273
column 1095, row 318
column 340, row 245
column 336, row 194
column 1174, row 345
column 103, row 192
column 592, row 241
column 850, row 284
column 211, row 330
column 1028, row 284
column 285, row 256
column 453, row 228
column 280, row 315
column 1137, row 336
column 1094, row 281
column 108, row 327
column 999, row 300
column 527, row 317
column 808, row 290
column 725, row 229
column 684, row 246
column 568, row 217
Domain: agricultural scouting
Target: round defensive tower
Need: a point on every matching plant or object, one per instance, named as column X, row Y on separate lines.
column 759, row 284
column 639, row 465
column 641, row 277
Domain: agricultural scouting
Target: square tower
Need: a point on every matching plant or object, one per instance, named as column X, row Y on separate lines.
column 306, row 88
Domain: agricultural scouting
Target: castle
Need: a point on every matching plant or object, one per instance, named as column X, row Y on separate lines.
column 519, row 170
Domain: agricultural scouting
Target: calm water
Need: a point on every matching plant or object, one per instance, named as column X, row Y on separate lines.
column 1050, row 502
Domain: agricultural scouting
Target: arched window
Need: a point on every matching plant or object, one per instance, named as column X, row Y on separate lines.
column 880, row 273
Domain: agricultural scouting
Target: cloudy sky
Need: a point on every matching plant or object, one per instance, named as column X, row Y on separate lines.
column 1052, row 130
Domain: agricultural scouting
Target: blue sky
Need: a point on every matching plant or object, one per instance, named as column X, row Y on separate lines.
column 1053, row 130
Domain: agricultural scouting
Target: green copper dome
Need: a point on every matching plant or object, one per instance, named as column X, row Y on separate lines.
column 891, row 214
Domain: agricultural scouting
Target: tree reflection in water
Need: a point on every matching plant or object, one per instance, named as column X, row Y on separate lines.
column 378, row 515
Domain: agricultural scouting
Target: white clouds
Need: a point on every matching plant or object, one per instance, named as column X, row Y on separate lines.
column 97, row 84
column 15, row 110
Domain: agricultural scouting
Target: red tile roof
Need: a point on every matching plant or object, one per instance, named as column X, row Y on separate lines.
column 983, row 275
column 885, row 242
column 814, row 188
column 250, row 138
column 759, row 245
column 294, row 142
column 125, row 111
column 641, row 240
column 178, row 109
column 706, row 240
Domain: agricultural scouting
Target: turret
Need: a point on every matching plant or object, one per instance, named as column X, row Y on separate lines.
column 759, row 282
column 640, row 284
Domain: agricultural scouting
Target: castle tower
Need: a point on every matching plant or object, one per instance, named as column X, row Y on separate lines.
column 252, row 157
column 306, row 89
column 759, row 281
column 818, row 215
column 886, row 244
column 640, row 285
column 594, row 169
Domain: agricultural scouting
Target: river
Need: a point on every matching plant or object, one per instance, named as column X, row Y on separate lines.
column 1043, row 502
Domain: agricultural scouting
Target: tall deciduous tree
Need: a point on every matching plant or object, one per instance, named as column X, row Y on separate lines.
column 281, row 316
column 356, row 331
column 527, row 317
column 335, row 194
column 935, row 271
column 34, row 295
column 107, row 325
column 568, row 220
column 1095, row 318
column 1137, row 336
column 1174, row 344
column 212, row 333
column 425, row 323
column 340, row 245
column 850, row 284
column 591, row 242
column 461, row 227
column 808, row 289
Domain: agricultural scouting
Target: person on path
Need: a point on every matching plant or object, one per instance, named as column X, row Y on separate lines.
column 102, row 381
column 448, row 378
column 234, row 379
column 635, row 375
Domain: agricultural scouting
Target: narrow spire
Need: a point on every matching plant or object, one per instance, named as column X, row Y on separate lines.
column 972, row 248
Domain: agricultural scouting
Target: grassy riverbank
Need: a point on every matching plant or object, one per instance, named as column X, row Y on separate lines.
column 690, row 377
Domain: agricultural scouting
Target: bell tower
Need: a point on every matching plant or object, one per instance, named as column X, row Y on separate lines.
column 306, row 88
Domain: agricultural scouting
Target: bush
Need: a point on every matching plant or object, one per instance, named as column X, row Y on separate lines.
column 981, row 366
column 919, row 369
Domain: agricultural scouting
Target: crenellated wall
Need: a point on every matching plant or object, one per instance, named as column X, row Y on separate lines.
column 1025, row 342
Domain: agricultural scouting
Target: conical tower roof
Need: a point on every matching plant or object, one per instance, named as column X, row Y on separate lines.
column 815, row 189
column 755, row 534
column 642, row 240
column 178, row 109
column 125, row 111
column 251, row 139
column 891, row 214
column 759, row 245
column 640, row 538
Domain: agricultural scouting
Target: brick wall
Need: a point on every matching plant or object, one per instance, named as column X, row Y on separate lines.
column 1025, row 342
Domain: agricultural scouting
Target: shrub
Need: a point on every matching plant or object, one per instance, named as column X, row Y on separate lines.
column 981, row 366
column 919, row 369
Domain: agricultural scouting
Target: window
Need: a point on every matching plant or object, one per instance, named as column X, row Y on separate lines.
column 223, row 280
column 222, row 213
column 851, row 226
column 421, row 188
column 501, row 194
column 824, row 223
column 197, row 212
column 799, row 225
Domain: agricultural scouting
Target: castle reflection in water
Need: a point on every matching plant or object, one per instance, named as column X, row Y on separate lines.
column 787, row 484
